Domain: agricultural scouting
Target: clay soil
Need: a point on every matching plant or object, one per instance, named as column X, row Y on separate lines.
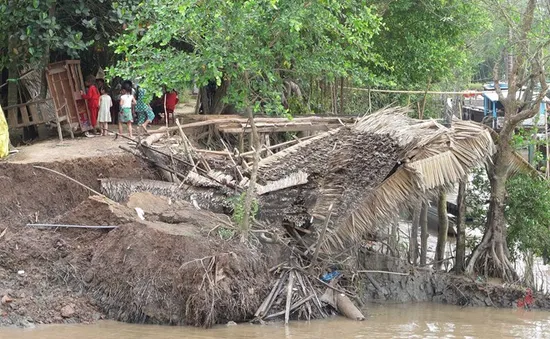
column 171, row 268
column 39, row 268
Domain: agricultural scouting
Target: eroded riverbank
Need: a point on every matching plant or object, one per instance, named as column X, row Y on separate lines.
column 80, row 276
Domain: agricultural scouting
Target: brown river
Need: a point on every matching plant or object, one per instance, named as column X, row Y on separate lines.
column 384, row 321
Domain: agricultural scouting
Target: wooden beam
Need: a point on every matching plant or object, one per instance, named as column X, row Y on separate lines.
column 313, row 119
column 287, row 128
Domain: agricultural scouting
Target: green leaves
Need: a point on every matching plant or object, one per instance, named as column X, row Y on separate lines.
column 33, row 29
column 252, row 46
column 528, row 214
column 425, row 41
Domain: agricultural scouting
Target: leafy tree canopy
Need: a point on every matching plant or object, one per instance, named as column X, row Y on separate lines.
column 528, row 214
column 32, row 29
column 427, row 41
column 251, row 45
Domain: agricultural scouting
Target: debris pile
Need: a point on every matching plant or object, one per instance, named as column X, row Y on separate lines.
column 319, row 197
column 176, row 253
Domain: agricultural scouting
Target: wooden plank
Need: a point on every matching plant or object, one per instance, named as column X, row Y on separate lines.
column 277, row 129
column 55, row 71
column 33, row 109
column 25, row 115
column 12, row 117
column 326, row 120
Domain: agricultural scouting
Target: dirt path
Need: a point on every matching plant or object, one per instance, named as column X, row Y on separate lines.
column 53, row 150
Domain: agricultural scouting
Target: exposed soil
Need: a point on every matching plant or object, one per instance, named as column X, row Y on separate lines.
column 34, row 195
column 158, row 270
column 147, row 275
column 39, row 267
column 421, row 285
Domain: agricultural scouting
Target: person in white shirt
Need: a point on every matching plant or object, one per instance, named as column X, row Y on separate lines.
column 127, row 101
column 105, row 104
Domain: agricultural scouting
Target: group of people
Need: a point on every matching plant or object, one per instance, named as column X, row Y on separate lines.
column 124, row 104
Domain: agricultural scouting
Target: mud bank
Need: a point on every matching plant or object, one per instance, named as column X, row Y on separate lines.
column 424, row 285
column 39, row 269
column 179, row 266
column 171, row 268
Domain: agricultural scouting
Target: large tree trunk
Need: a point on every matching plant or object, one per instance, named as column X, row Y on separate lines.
column 490, row 257
column 211, row 98
column 461, row 228
column 423, row 234
column 529, row 277
column 442, row 230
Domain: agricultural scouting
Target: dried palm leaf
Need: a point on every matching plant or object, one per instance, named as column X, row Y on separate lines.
column 295, row 179
column 434, row 156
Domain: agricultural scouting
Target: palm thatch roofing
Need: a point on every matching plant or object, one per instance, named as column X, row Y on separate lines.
column 367, row 171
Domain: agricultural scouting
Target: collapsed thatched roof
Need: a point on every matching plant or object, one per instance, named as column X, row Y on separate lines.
column 385, row 161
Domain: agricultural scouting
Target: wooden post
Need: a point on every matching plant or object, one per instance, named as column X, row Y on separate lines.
column 423, row 234
column 241, row 143
column 460, row 255
column 370, row 104
column 413, row 240
column 460, row 262
column 442, row 230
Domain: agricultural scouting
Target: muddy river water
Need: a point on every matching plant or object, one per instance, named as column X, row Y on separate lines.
column 384, row 321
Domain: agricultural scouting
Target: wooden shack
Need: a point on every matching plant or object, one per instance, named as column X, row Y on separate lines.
column 65, row 82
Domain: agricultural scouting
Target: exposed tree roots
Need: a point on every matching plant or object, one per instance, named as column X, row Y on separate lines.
column 490, row 258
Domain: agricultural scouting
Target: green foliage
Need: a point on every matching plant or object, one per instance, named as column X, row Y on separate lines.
column 424, row 42
column 226, row 233
column 238, row 208
column 527, row 211
column 252, row 46
column 477, row 197
column 31, row 30
column 528, row 214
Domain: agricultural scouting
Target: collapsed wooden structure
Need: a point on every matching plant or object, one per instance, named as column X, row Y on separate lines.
column 321, row 196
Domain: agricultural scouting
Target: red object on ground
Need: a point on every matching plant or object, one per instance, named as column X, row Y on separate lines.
column 520, row 303
column 527, row 301
column 92, row 99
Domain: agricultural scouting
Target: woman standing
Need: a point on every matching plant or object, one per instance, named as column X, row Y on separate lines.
column 144, row 112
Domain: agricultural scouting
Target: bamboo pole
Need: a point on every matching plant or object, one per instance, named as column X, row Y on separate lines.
column 411, row 92
column 289, row 297
column 71, row 226
column 321, row 237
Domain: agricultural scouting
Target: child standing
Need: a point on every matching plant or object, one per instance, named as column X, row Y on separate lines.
column 127, row 101
column 144, row 112
column 92, row 99
column 105, row 104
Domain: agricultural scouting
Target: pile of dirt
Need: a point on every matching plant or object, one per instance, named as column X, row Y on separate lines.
column 40, row 274
column 178, row 273
column 34, row 195
column 41, row 271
